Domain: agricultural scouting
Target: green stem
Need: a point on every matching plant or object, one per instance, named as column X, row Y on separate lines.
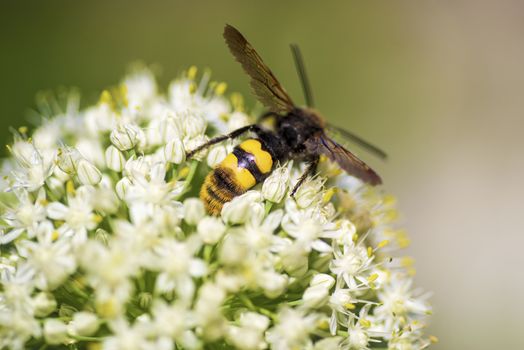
column 268, row 206
column 295, row 302
column 187, row 183
column 131, row 153
column 84, row 338
column 172, row 171
column 208, row 250
column 249, row 304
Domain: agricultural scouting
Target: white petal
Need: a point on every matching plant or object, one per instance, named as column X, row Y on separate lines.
column 273, row 220
column 57, row 211
column 197, row 268
column 11, row 235
column 321, row 246
column 333, row 323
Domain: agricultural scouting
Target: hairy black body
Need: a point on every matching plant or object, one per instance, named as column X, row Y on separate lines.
column 298, row 134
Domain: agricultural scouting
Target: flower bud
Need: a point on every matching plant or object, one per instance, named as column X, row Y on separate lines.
column 102, row 236
column 233, row 251
column 210, row 297
column 322, row 280
column 273, row 284
column 317, row 294
column 84, row 323
column 216, row 155
column 193, row 210
column 230, row 282
column 44, row 303
column 208, row 310
column 122, row 186
column 55, row 331
column 88, row 174
column 126, row 137
column 115, row 160
column 164, row 129
column 67, row 159
column 243, row 208
column 174, row 151
column 193, row 125
column 210, row 229
column 245, row 338
column 275, row 186
column 309, row 192
column 137, row 166
column 254, row 320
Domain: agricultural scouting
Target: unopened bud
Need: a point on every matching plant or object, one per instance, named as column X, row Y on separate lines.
column 243, row 208
column 44, row 303
column 309, row 192
column 194, row 210
column 317, row 294
column 275, row 186
column 254, row 320
column 55, row 331
column 125, row 137
column 115, row 160
column 88, row 174
column 67, row 160
column 122, row 186
column 174, row 151
column 193, row 125
column 84, row 323
column 273, row 284
column 216, row 155
column 211, row 229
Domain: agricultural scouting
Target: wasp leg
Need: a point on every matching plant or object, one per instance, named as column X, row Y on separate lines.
column 253, row 128
column 310, row 170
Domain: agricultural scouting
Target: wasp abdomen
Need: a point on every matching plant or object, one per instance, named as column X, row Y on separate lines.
column 248, row 164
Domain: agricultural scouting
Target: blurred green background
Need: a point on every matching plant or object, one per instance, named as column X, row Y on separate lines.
column 438, row 84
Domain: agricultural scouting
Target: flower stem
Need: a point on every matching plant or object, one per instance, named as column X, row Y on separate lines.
column 84, row 338
column 187, row 183
column 268, row 206
column 249, row 304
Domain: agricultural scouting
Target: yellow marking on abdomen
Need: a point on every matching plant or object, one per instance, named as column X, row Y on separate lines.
column 243, row 176
column 262, row 158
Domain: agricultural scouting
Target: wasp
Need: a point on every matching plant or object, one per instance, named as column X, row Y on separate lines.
column 298, row 133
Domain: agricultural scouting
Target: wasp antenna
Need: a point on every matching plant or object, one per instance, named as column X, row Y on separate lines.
column 301, row 70
column 335, row 130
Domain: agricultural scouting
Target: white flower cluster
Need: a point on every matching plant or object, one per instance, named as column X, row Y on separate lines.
column 103, row 240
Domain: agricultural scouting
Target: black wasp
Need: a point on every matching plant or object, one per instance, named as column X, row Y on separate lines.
column 299, row 133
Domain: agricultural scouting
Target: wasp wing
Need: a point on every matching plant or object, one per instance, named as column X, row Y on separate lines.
column 265, row 85
column 322, row 145
column 340, row 135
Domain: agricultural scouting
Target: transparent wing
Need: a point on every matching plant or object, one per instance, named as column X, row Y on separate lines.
column 322, row 145
column 264, row 83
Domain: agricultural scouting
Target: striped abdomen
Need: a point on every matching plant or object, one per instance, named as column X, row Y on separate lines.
column 248, row 164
